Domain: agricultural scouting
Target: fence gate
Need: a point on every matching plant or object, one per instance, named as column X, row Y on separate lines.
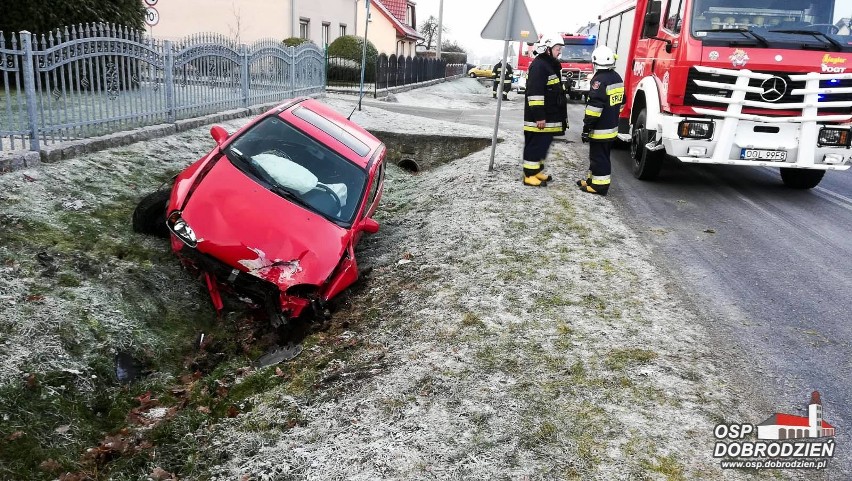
column 90, row 80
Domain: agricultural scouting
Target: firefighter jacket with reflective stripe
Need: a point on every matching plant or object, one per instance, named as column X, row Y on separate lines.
column 606, row 96
column 496, row 71
column 545, row 96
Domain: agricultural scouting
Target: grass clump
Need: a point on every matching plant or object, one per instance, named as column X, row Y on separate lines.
column 619, row 359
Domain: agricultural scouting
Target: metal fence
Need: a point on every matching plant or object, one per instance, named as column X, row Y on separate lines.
column 97, row 79
column 387, row 72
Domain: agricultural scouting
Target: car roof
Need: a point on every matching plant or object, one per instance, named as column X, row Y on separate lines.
column 331, row 128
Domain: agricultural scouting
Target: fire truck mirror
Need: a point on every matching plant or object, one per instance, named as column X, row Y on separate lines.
column 652, row 19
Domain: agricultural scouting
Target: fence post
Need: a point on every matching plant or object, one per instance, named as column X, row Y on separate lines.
column 169, row 81
column 30, row 89
column 292, row 51
column 244, row 73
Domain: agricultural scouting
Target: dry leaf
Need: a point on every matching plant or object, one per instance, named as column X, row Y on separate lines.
column 15, row 435
column 159, row 474
column 203, row 409
column 233, row 411
column 49, row 465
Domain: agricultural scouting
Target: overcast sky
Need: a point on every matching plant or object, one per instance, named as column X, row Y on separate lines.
column 465, row 19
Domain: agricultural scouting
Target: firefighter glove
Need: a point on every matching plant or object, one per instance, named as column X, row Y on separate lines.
column 585, row 135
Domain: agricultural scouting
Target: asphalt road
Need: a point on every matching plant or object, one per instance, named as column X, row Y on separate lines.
column 767, row 267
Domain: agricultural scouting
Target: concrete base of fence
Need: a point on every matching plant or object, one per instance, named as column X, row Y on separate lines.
column 17, row 160
column 24, row 159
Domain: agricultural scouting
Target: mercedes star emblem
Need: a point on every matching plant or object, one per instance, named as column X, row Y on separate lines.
column 773, row 89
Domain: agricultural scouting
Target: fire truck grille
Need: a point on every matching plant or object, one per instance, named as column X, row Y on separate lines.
column 692, row 88
column 571, row 73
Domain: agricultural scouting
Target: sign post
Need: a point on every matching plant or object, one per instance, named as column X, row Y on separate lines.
column 511, row 21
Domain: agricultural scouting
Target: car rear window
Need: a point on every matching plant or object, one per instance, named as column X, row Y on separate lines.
column 333, row 130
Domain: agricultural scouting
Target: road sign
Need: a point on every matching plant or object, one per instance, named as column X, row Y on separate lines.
column 150, row 3
column 152, row 16
column 511, row 21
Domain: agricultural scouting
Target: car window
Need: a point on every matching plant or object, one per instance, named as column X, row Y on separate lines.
column 296, row 165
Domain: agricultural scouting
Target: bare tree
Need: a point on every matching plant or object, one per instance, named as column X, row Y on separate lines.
column 429, row 30
column 237, row 27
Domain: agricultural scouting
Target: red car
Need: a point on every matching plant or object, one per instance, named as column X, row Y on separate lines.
column 274, row 212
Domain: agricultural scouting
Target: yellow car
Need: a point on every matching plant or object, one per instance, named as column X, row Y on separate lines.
column 481, row 71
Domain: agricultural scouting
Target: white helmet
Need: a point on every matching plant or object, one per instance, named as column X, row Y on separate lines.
column 603, row 57
column 548, row 41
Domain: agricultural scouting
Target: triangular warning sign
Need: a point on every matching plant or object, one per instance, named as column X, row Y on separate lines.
column 520, row 24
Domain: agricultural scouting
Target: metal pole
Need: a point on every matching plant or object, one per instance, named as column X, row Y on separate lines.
column 30, row 89
column 440, row 27
column 364, row 54
column 293, row 18
column 502, row 78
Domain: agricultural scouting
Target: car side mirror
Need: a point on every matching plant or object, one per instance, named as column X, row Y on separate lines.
column 368, row 225
column 219, row 134
column 652, row 19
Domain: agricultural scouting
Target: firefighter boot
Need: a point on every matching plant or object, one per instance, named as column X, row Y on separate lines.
column 543, row 177
column 589, row 187
column 533, row 181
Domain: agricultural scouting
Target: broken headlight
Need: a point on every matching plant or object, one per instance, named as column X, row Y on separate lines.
column 181, row 229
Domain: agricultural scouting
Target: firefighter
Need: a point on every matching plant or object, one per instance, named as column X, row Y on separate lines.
column 600, row 123
column 507, row 82
column 545, row 109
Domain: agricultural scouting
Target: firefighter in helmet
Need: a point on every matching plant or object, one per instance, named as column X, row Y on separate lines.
column 507, row 82
column 600, row 123
column 545, row 109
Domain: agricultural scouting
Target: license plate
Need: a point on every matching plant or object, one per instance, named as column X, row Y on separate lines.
column 761, row 154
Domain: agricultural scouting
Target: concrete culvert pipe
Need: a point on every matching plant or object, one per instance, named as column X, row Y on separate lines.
column 410, row 165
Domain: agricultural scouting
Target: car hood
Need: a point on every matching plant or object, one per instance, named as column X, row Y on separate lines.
column 239, row 222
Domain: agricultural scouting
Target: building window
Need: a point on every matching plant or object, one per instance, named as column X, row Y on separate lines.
column 326, row 33
column 409, row 16
column 304, row 28
column 342, row 29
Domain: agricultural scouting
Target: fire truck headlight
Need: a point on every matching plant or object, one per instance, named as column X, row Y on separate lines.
column 833, row 159
column 832, row 137
column 695, row 129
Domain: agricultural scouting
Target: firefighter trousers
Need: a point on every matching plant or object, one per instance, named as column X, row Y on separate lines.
column 536, row 145
column 599, row 163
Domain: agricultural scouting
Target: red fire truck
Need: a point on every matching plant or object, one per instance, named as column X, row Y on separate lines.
column 576, row 59
column 736, row 82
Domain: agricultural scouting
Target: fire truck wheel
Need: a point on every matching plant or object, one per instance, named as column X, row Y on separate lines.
column 801, row 178
column 646, row 163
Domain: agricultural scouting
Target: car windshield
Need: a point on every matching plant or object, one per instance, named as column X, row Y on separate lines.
column 576, row 53
column 300, row 169
column 796, row 24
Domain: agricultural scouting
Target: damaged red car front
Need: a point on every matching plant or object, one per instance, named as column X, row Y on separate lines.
column 275, row 211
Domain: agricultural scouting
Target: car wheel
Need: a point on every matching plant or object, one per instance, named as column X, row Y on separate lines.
column 801, row 178
column 646, row 163
column 149, row 217
column 472, row 75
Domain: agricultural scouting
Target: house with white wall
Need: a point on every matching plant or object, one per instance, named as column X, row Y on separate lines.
column 392, row 27
column 249, row 20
